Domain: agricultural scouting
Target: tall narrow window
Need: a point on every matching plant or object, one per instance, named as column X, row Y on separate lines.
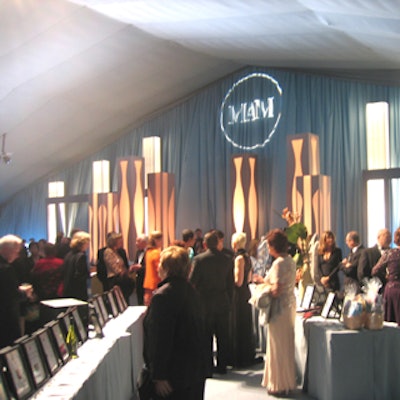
column 395, row 202
column 377, row 135
column 55, row 213
column 381, row 183
column 376, row 209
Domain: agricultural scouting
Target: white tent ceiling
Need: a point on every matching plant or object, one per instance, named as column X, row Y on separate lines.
column 75, row 75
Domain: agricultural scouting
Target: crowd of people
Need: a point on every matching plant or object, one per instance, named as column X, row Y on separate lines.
column 199, row 321
column 35, row 272
column 333, row 273
column 219, row 279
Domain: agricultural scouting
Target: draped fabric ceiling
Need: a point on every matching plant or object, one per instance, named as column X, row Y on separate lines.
column 76, row 75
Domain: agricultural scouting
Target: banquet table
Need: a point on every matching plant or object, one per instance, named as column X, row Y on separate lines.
column 346, row 364
column 107, row 368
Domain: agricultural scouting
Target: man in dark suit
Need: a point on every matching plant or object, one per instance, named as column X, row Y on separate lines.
column 213, row 278
column 349, row 265
column 369, row 257
column 140, row 266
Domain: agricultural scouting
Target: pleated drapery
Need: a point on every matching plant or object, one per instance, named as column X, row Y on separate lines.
column 197, row 152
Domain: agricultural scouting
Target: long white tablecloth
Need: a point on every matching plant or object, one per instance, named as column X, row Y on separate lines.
column 343, row 364
column 106, row 368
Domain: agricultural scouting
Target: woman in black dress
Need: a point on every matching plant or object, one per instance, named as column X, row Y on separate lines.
column 329, row 258
column 76, row 271
column 242, row 325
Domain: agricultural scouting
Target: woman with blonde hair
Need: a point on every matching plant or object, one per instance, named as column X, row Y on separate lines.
column 76, row 269
column 151, row 278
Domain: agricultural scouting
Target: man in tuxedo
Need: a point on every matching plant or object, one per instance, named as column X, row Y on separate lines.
column 189, row 240
column 349, row 265
column 213, row 278
column 139, row 266
column 370, row 256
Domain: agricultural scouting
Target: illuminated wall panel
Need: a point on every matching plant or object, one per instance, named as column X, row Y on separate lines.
column 131, row 201
column 161, row 205
column 151, row 152
column 103, row 218
column 302, row 159
column 316, row 211
column 308, row 192
column 244, row 195
column 98, row 207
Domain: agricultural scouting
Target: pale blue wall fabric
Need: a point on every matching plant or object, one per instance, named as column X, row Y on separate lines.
column 196, row 151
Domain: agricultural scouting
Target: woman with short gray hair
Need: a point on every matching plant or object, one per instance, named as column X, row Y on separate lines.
column 10, row 294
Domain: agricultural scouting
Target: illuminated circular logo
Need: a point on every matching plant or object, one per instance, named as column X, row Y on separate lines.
column 251, row 111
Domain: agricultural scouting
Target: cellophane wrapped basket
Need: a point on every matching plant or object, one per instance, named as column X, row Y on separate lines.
column 354, row 311
column 374, row 304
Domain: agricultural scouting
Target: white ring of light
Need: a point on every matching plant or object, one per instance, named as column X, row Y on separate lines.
column 237, row 83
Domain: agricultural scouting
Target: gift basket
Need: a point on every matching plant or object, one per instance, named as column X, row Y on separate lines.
column 354, row 309
column 374, row 304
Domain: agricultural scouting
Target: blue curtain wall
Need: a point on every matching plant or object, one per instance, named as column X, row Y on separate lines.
column 197, row 152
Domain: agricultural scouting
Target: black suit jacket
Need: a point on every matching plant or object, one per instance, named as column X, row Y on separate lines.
column 10, row 299
column 140, row 272
column 368, row 258
column 174, row 334
column 76, row 274
column 351, row 271
column 212, row 276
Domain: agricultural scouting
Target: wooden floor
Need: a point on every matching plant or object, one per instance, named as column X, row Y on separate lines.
column 243, row 384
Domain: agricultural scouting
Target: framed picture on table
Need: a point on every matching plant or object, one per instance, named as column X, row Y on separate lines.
column 110, row 302
column 35, row 359
column 80, row 327
column 117, row 299
column 64, row 319
column 95, row 319
column 53, row 361
column 308, row 297
column 59, row 340
column 95, row 303
column 17, row 372
column 4, row 389
column 121, row 302
column 103, row 308
column 328, row 306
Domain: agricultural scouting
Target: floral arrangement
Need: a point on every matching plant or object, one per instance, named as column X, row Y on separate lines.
column 296, row 232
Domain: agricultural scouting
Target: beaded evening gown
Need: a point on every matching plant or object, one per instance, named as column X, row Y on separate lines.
column 279, row 371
